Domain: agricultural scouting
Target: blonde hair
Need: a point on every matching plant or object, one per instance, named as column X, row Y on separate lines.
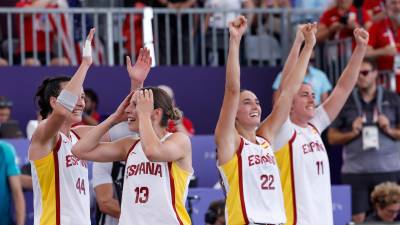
column 385, row 194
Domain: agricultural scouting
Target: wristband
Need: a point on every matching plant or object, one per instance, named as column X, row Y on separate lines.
column 67, row 99
column 87, row 49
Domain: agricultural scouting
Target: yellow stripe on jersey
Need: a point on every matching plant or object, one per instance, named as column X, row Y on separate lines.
column 45, row 170
column 181, row 181
column 284, row 161
column 233, row 203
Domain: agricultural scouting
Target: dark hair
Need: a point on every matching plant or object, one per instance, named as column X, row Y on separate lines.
column 371, row 62
column 215, row 209
column 50, row 87
column 163, row 101
column 92, row 95
column 5, row 103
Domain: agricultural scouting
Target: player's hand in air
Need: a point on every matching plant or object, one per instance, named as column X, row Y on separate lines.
column 309, row 31
column 361, row 36
column 237, row 27
column 87, row 48
column 141, row 69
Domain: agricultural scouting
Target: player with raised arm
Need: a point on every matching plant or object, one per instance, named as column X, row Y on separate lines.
column 303, row 161
column 246, row 160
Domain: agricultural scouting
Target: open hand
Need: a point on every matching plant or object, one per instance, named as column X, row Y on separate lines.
column 141, row 69
column 119, row 114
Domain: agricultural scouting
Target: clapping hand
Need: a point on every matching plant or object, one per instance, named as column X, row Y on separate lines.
column 141, row 69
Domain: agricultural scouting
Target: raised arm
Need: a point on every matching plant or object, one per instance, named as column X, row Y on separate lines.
column 349, row 77
column 176, row 148
column 280, row 112
column 90, row 147
column 47, row 131
column 138, row 73
column 291, row 60
column 226, row 136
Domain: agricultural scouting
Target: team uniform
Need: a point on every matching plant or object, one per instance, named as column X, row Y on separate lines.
column 304, row 170
column 252, row 184
column 61, row 186
column 154, row 192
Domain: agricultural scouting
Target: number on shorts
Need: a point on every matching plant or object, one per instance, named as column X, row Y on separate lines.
column 320, row 167
column 267, row 182
column 80, row 185
column 142, row 194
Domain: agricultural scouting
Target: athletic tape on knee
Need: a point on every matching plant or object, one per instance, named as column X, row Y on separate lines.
column 121, row 130
column 87, row 49
column 67, row 99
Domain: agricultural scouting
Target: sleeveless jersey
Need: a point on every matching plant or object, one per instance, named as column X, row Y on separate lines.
column 154, row 192
column 252, row 184
column 61, row 186
column 305, row 174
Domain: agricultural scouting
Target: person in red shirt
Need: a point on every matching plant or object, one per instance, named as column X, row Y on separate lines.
column 28, row 32
column 339, row 21
column 40, row 24
column 184, row 125
column 375, row 8
column 384, row 41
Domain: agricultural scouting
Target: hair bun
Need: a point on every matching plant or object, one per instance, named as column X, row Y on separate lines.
column 175, row 114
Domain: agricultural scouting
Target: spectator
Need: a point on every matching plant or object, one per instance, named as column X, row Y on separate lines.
column 317, row 80
column 312, row 4
column 386, row 201
column 36, row 24
column 5, row 109
column 90, row 115
column 8, row 128
column 339, row 21
column 219, row 22
column 276, row 18
column 173, row 38
column 10, row 187
column 375, row 9
column 184, row 124
column 215, row 214
column 132, row 49
column 368, row 127
column 384, row 40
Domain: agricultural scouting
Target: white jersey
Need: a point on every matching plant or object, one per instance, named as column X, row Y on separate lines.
column 154, row 192
column 304, row 167
column 253, row 187
column 61, row 186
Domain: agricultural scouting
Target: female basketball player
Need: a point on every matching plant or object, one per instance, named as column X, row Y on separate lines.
column 303, row 162
column 246, row 161
column 60, row 179
column 158, row 166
